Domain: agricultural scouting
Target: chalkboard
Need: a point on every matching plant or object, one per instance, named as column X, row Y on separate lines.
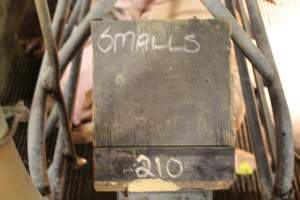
column 162, row 110
column 162, row 83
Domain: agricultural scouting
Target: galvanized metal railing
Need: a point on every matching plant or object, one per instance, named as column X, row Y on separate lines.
column 48, row 85
column 64, row 44
column 262, row 59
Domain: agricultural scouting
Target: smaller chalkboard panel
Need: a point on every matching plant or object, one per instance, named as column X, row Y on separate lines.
column 154, row 169
column 190, row 195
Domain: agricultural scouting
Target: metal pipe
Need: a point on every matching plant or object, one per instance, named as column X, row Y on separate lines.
column 56, row 167
column 59, row 19
column 36, row 142
column 72, row 20
column 284, row 138
column 242, row 39
column 263, row 169
column 265, row 114
column 51, row 81
column 74, row 43
column 283, row 125
column 82, row 32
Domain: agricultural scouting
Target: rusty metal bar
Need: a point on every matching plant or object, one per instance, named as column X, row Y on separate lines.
column 74, row 43
column 56, row 168
column 51, row 81
column 242, row 39
column 36, row 142
column 284, row 133
column 253, row 122
column 74, row 20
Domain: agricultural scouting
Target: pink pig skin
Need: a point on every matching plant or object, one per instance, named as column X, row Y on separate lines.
column 85, row 81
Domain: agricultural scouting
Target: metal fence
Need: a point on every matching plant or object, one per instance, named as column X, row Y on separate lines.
column 64, row 45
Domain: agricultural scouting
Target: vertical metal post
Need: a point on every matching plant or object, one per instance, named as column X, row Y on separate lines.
column 283, row 125
column 265, row 114
column 48, row 83
column 263, row 169
column 55, row 170
column 75, row 42
column 284, row 134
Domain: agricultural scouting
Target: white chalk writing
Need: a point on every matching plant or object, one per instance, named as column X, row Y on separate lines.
column 145, row 170
column 144, row 42
column 175, row 161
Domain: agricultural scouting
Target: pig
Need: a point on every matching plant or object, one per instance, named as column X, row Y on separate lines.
column 152, row 9
column 84, row 83
column 175, row 9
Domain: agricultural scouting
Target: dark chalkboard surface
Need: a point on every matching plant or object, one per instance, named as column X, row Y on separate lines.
column 162, row 109
column 130, row 168
column 162, row 83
